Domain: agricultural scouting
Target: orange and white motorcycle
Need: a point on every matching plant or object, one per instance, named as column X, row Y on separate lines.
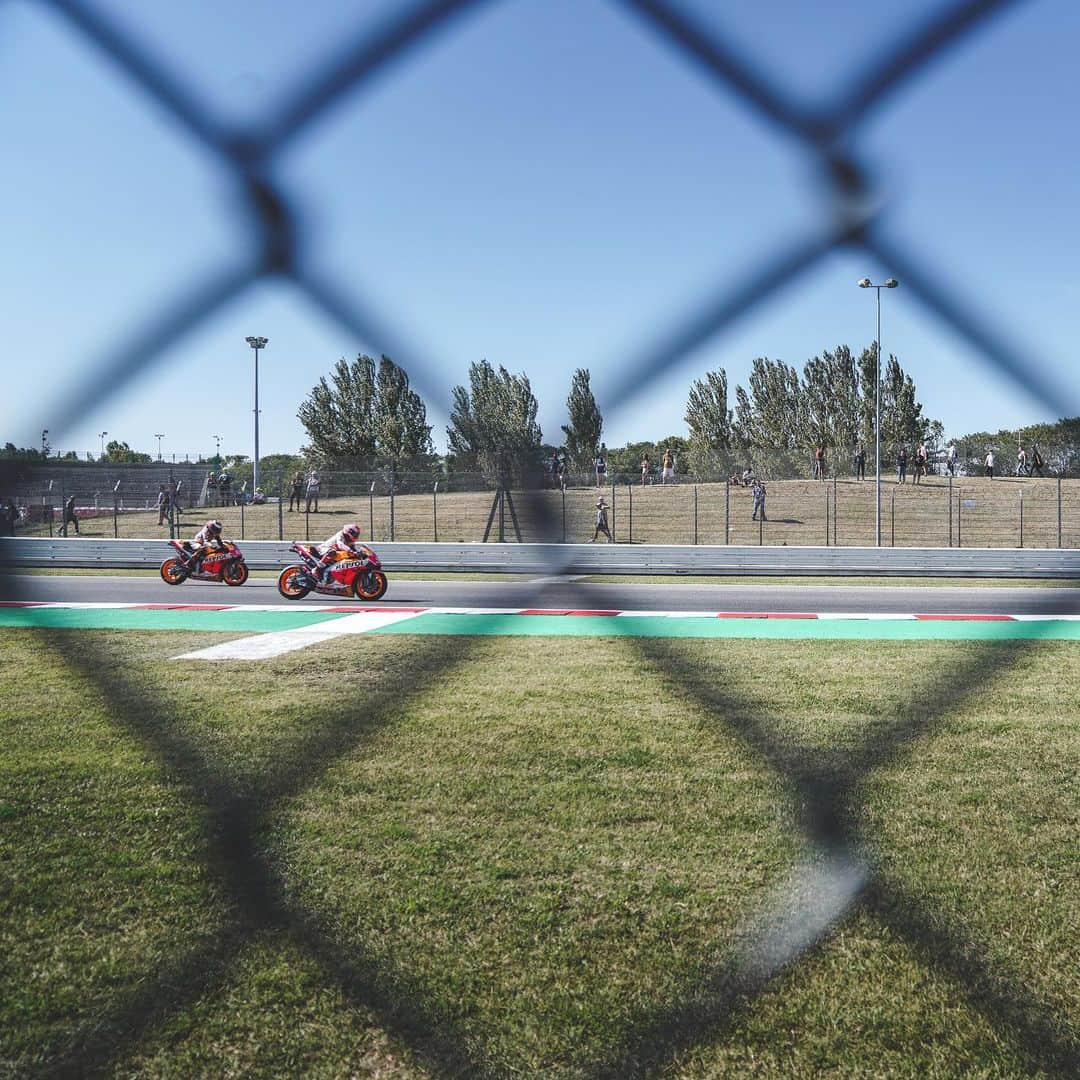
column 226, row 564
column 358, row 574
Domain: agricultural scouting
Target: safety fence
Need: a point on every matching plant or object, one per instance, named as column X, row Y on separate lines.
column 837, row 880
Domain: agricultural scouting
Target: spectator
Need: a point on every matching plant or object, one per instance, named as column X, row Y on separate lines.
column 667, row 467
column 600, row 465
column 562, row 470
column 950, row 461
column 759, row 501
column 1036, row 461
column 69, row 517
column 819, row 462
column 314, row 483
column 164, row 504
column 296, row 490
column 644, row 469
column 211, row 487
column 747, row 477
column 988, row 464
column 224, row 483
column 860, row 462
column 901, row 465
column 920, row 462
column 601, row 522
column 1022, row 463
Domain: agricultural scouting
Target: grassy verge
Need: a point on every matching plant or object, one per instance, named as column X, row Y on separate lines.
column 530, row 857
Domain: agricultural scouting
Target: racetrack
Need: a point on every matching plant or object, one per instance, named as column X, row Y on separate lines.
column 512, row 593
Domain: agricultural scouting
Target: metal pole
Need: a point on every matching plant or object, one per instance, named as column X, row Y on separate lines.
column 242, row 501
column 392, row 509
column 115, row 518
column 564, row 515
column 280, row 512
column 435, row 511
column 834, row 509
column 1021, row 517
column 950, row 511
column 892, row 525
column 371, row 512
column 826, row 517
column 255, row 469
column 1059, row 509
column 877, row 425
column 727, row 513
column 959, row 504
column 695, row 513
column 630, row 511
column 613, row 533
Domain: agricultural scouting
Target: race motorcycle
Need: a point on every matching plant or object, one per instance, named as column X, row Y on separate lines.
column 225, row 565
column 360, row 575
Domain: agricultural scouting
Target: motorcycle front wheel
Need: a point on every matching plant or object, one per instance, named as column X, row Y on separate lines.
column 370, row 585
column 292, row 583
column 173, row 572
column 235, row 573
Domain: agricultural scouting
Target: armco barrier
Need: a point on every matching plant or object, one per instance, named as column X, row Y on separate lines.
column 592, row 559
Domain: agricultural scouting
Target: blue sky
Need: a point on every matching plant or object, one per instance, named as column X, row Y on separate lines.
column 548, row 184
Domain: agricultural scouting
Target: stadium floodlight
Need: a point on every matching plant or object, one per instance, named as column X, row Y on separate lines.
column 101, row 436
column 256, row 343
column 866, row 283
column 159, row 437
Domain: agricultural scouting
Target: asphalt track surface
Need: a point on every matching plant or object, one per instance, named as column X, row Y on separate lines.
column 502, row 593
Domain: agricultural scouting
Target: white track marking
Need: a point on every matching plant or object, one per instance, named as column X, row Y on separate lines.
column 275, row 643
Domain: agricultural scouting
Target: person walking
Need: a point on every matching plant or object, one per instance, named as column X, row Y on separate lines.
column 1036, row 461
column 920, row 462
column 759, row 500
column 601, row 522
column 819, row 462
column 1022, row 462
column 860, row 462
column 164, row 503
column 314, row 484
column 69, row 517
column 901, row 466
column 644, row 469
column 988, row 464
column 950, row 460
column 296, row 491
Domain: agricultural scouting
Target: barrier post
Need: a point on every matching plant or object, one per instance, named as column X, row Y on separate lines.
column 695, row 513
column 435, row 511
column 950, row 511
column 1059, row 509
column 1021, row 517
column 727, row 513
column 630, row 513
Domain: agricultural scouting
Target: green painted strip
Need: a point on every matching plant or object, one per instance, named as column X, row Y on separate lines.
column 777, row 629
column 235, row 620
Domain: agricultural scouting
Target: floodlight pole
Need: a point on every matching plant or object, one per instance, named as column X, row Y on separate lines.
column 889, row 283
column 159, row 437
column 256, row 343
column 101, row 436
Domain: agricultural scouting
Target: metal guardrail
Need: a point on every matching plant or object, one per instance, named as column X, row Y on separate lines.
column 35, row 552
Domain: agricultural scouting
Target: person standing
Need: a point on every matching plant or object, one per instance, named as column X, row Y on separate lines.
column 950, row 461
column 296, row 491
column 600, row 465
column 759, row 500
column 988, row 464
column 860, row 462
column 69, row 517
column 920, row 462
column 667, row 467
column 314, row 483
column 901, row 465
column 164, row 504
column 1036, row 460
column 644, row 469
column 1022, row 463
column 819, row 462
column 601, row 522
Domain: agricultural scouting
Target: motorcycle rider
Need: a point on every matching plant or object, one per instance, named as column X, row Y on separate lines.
column 209, row 536
column 343, row 540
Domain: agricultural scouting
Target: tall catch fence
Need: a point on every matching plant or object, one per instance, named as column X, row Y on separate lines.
column 839, row 880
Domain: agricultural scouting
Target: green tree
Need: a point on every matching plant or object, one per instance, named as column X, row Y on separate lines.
column 709, row 421
column 493, row 425
column 121, row 454
column 586, row 424
column 365, row 416
column 902, row 420
column 831, row 400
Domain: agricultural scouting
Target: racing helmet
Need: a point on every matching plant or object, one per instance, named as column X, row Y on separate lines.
column 351, row 532
column 214, row 526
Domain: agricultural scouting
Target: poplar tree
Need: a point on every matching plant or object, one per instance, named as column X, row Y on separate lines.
column 586, row 424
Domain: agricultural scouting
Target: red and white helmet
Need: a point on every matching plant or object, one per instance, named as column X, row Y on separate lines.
column 214, row 527
column 351, row 532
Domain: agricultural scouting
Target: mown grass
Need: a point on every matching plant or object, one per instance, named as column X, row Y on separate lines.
column 404, row 856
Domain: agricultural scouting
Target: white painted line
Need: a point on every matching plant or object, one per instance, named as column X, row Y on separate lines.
column 264, row 646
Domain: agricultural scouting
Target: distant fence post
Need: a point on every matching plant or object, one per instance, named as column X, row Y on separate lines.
column 695, row 513
column 950, row 511
column 1021, row 517
column 564, row 513
column 392, row 478
column 371, row 511
column 435, row 512
column 959, row 505
column 613, row 533
column 727, row 513
column 1059, row 509
column 280, row 500
column 630, row 513
column 826, row 516
column 242, row 501
column 892, row 519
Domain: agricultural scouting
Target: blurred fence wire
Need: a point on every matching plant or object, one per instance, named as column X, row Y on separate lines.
column 818, row 894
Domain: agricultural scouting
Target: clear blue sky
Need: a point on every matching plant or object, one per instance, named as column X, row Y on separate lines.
column 548, row 185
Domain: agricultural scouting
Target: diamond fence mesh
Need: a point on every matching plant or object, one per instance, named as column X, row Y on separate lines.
column 819, row 894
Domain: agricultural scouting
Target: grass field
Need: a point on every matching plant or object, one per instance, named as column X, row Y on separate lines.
column 1007, row 512
column 543, row 859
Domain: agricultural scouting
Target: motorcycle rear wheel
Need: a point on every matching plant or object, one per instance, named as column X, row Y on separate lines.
column 291, row 583
column 370, row 585
column 173, row 572
column 235, row 573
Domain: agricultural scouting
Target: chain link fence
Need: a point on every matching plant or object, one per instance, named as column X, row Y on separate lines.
column 839, row 879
